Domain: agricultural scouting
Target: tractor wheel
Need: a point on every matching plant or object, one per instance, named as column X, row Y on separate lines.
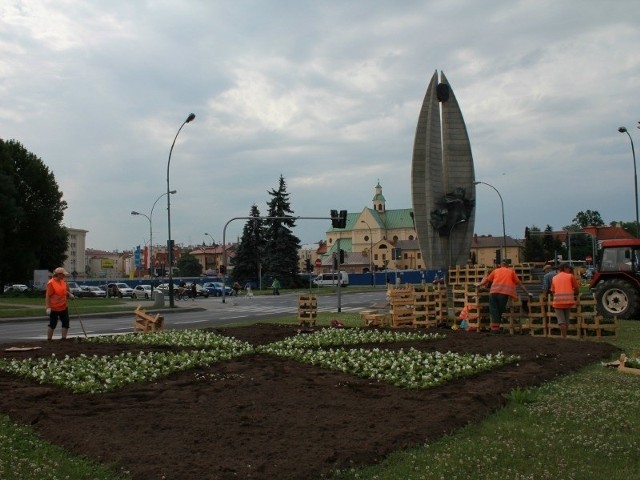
column 617, row 298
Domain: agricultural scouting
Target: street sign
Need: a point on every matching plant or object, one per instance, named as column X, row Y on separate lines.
column 318, row 263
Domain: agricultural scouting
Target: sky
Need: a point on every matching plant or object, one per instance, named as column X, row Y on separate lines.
column 326, row 94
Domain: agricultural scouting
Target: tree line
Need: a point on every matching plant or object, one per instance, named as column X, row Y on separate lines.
column 543, row 245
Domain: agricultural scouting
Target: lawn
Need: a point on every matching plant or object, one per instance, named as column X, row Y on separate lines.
column 592, row 413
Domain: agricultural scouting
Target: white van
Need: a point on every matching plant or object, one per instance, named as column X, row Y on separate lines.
column 331, row 279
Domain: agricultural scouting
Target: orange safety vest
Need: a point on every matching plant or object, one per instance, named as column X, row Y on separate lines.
column 503, row 281
column 57, row 294
column 563, row 287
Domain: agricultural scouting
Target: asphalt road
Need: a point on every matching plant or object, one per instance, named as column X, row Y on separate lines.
column 201, row 313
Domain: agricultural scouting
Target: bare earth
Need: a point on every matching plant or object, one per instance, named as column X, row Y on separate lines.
column 260, row 417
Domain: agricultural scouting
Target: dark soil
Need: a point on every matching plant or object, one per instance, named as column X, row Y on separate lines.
column 260, row 417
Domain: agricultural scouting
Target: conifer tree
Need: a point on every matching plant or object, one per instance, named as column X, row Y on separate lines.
column 250, row 251
column 281, row 254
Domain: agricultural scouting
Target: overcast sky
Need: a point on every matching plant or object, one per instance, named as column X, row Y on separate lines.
column 326, row 93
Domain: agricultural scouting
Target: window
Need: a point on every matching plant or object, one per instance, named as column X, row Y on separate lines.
column 410, row 237
column 395, row 238
column 366, row 238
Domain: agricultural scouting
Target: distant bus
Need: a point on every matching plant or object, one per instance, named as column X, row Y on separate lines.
column 331, row 279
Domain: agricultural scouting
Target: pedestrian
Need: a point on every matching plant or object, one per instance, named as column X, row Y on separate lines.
column 276, row 286
column 236, row 288
column 549, row 273
column 247, row 287
column 194, row 291
column 565, row 288
column 56, row 302
column 504, row 283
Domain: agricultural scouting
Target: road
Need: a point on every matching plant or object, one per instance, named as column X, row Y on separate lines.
column 202, row 313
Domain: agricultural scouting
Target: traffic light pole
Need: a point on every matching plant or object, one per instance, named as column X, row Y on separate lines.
column 339, row 277
column 224, row 242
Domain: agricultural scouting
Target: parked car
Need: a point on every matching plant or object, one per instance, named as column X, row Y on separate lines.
column 164, row 287
column 16, row 287
column 201, row 291
column 75, row 288
column 91, row 291
column 120, row 289
column 142, row 291
column 216, row 289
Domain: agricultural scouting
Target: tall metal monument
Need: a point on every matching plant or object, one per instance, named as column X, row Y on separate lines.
column 442, row 176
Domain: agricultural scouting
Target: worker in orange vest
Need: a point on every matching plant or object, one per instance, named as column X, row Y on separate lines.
column 504, row 283
column 56, row 302
column 565, row 288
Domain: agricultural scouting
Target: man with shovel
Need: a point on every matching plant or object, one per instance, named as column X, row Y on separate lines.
column 56, row 302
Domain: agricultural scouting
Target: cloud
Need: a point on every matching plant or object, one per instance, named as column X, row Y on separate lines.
column 326, row 94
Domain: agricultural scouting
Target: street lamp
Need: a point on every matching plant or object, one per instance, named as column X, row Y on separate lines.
column 169, row 241
column 504, row 231
column 635, row 176
column 370, row 253
column 213, row 242
column 172, row 192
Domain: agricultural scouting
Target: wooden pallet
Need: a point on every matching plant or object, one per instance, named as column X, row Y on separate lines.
column 307, row 309
column 147, row 323
column 402, row 306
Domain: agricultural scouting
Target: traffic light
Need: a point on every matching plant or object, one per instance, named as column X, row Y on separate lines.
column 338, row 220
column 498, row 257
column 343, row 219
column 341, row 256
column 335, row 220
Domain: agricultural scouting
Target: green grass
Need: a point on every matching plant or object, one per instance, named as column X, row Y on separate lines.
column 582, row 426
column 21, row 307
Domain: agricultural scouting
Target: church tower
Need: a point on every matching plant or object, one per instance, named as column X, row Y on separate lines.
column 378, row 199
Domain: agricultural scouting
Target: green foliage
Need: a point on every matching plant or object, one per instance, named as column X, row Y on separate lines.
column 588, row 218
column 24, row 456
column 281, row 253
column 542, row 246
column 31, row 232
column 189, row 266
column 522, row 396
column 250, row 251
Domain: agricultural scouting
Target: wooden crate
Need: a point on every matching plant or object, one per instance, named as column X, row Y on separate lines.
column 514, row 318
column 147, row 323
column 402, row 306
column 430, row 307
column 553, row 328
column 598, row 327
column 537, row 317
column 307, row 308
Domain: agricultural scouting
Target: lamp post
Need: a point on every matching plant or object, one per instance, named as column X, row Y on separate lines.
column 635, row 176
column 169, row 241
column 172, row 192
column 504, row 231
column 370, row 253
column 213, row 242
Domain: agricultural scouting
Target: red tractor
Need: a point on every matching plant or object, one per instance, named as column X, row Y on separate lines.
column 616, row 281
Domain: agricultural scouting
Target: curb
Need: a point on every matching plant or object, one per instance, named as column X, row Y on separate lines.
column 123, row 313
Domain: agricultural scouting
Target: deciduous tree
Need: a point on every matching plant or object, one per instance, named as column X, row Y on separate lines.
column 31, row 232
